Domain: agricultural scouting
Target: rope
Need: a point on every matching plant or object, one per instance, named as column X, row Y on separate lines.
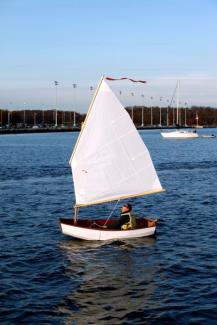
column 104, row 226
column 96, row 224
column 111, row 213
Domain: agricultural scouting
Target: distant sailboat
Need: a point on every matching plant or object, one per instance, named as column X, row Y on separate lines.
column 179, row 134
column 110, row 162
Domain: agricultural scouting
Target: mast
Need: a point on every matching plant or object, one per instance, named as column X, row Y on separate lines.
column 177, row 103
column 76, row 214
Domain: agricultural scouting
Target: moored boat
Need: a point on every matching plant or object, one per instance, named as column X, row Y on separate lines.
column 208, row 136
column 180, row 134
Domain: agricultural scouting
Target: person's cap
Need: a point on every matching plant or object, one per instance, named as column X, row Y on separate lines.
column 129, row 206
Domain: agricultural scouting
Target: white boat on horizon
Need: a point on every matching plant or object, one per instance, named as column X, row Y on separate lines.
column 110, row 162
column 180, row 134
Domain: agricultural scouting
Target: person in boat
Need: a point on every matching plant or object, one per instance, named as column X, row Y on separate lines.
column 126, row 221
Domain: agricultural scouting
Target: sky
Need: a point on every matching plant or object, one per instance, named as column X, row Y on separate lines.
column 76, row 42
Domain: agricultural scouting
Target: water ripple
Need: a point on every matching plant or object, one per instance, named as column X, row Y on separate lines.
column 47, row 278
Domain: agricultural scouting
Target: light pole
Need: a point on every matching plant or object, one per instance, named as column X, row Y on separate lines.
column 167, row 113
column 35, row 118
column 74, row 120
column 180, row 114
column 160, row 111
column 9, row 118
column 91, row 92
column 42, row 117
column 24, row 114
column 177, row 103
column 173, row 103
column 63, row 118
column 185, row 114
column 151, row 111
column 132, row 94
column 142, row 124
column 56, row 83
column 197, row 118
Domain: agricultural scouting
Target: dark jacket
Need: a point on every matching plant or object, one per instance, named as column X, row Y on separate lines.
column 124, row 219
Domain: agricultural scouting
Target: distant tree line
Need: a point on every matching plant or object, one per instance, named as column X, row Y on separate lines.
column 43, row 118
column 167, row 116
column 141, row 116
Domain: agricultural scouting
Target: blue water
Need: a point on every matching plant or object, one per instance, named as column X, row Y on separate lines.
column 48, row 278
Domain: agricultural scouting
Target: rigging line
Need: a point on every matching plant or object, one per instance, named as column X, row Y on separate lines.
column 111, row 213
column 170, row 105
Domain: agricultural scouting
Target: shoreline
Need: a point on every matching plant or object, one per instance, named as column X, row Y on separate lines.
column 73, row 129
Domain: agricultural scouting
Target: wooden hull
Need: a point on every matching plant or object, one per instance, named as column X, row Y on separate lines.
column 92, row 230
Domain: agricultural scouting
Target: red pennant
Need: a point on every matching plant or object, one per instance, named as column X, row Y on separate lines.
column 124, row 78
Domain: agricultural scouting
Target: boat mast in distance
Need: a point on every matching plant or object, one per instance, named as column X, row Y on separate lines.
column 179, row 134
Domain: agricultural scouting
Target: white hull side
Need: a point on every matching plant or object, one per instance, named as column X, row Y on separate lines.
column 179, row 135
column 95, row 234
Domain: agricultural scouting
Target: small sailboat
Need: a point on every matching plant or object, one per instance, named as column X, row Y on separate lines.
column 110, row 162
column 179, row 134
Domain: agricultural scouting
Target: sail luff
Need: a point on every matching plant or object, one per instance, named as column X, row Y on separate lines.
column 85, row 121
column 121, row 198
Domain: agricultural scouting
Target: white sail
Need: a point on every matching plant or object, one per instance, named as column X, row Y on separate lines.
column 110, row 161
